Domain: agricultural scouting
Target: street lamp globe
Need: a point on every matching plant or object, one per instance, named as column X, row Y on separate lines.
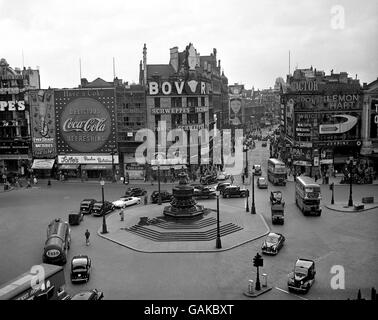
column 102, row 182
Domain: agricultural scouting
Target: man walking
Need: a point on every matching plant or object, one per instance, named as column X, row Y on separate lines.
column 232, row 179
column 122, row 214
column 87, row 234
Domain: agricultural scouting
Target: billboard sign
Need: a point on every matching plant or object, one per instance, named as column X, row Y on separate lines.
column 235, row 112
column 374, row 119
column 42, row 114
column 85, row 120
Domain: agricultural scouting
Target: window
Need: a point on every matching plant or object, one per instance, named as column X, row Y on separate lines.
column 157, row 102
column 202, row 101
column 192, row 118
column 192, row 102
column 176, row 102
column 176, row 120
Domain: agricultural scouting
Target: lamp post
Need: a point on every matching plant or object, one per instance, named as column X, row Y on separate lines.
column 247, row 205
column 218, row 243
column 253, row 209
column 351, row 164
column 332, row 187
column 159, row 200
column 246, row 160
column 104, row 228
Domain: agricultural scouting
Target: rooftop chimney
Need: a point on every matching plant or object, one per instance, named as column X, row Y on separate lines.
column 174, row 58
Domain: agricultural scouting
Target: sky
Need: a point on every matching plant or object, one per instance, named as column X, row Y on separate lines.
column 252, row 38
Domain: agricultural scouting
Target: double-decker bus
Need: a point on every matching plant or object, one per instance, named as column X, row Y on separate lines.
column 276, row 172
column 42, row 282
column 307, row 195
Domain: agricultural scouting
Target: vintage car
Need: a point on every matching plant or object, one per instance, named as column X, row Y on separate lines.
column 262, row 183
column 208, row 179
column 277, row 211
column 80, row 268
column 273, row 243
column 88, row 295
column 234, row 191
column 276, row 197
column 86, row 206
column 204, row 193
column 223, row 176
column 165, row 196
column 99, row 209
column 264, row 144
column 135, row 192
column 257, row 170
column 124, row 202
column 74, row 218
column 221, row 186
column 303, row 276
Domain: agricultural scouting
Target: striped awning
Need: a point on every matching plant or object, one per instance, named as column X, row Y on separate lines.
column 96, row 167
column 45, row 164
column 69, row 166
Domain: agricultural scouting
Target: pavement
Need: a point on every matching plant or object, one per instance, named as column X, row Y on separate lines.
column 253, row 226
column 343, row 207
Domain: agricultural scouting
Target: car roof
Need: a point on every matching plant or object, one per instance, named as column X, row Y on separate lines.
column 273, row 234
column 304, row 263
column 83, row 295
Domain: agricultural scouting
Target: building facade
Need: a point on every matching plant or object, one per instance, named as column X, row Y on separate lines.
column 322, row 121
column 188, row 93
column 15, row 117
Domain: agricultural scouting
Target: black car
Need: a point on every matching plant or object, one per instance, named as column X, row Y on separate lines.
column 273, row 243
column 221, row 186
column 209, row 179
column 88, row 295
column 135, row 192
column 74, row 218
column 99, row 209
column 258, row 171
column 264, row 144
column 204, row 193
column 165, row 196
column 80, row 268
column 86, row 206
column 303, row 276
column 234, row 191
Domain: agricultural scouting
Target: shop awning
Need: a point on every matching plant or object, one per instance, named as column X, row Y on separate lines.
column 69, row 166
column 96, row 167
column 45, row 164
column 176, row 167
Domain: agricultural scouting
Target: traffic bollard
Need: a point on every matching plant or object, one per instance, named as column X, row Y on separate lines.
column 251, row 287
column 264, row 280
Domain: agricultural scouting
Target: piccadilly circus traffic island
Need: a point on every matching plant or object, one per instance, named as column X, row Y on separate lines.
column 185, row 186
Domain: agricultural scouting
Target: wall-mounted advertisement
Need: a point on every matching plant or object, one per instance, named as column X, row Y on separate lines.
column 85, row 120
column 42, row 114
column 235, row 112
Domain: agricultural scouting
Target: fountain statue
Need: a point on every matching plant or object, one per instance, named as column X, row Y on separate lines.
column 183, row 205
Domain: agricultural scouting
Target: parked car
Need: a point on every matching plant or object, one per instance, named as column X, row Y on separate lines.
column 264, row 144
column 262, row 183
column 257, row 168
column 88, row 295
column 223, row 176
column 276, row 197
column 124, row 202
column 99, row 209
column 165, row 196
column 209, row 179
column 135, row 192
column 80, row 268
column 86, row 205
column 74, row 218
column 221, row 186
column 303, row 276
column 273, row 243
column 204, row 193
column 234, row 191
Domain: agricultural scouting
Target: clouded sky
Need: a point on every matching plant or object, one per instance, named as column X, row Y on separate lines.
column 252, row 38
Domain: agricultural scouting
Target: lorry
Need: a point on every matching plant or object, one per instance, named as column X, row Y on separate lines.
column 277, row 213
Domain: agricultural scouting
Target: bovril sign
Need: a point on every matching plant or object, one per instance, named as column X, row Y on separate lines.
column 178, row 87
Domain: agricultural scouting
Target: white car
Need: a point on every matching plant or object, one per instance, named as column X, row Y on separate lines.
column 223, row 176
column 124, row 202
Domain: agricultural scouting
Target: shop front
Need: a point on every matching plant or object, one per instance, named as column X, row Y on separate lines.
column 42, row 168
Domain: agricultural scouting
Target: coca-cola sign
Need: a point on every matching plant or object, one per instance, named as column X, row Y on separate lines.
column 87, row 121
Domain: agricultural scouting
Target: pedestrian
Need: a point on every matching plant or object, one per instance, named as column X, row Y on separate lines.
column 35, row 180
column 243, row 178
column 122, row 179
column 122, row 214
column 232, row 179
column 316, row 177
column 87, row 234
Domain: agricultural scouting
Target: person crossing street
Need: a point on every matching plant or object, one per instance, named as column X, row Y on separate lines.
column 87, row 234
